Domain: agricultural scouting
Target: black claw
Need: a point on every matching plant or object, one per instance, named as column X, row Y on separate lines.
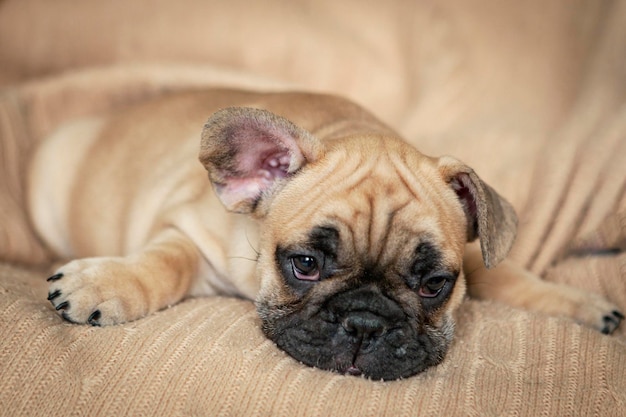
column 53, row 295
column 55, row 277
column 94, row 317
column 612, row 322
column 62, row 306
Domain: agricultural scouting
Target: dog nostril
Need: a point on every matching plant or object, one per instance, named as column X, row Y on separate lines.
column 364, row 324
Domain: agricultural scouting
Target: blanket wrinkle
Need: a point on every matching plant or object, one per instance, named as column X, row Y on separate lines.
column 610, row 234
column 583, row 185
column 17, row 240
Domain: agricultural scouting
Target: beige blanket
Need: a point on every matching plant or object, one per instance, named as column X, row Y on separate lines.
column 531, row 94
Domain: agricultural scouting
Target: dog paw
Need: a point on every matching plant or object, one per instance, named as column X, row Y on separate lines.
column 599, row 313
column 97, row 291
column 611, row 322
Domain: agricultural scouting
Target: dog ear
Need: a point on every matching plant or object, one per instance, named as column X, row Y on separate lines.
column 489, row 216
column 249, row 152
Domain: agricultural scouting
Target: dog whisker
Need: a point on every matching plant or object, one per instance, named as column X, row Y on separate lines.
column 245, row 258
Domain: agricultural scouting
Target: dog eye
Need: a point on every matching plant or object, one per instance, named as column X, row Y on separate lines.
column 305, row 268
column 432, row 286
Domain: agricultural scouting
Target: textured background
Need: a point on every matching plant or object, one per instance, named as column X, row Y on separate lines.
column 531, row 94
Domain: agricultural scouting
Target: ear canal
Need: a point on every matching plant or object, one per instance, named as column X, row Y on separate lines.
column 248, row 152
column 489, row 216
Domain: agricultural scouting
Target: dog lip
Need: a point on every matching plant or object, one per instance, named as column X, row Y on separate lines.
column 353, row 370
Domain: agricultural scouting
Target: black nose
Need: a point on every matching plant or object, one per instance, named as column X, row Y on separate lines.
column 364, row 325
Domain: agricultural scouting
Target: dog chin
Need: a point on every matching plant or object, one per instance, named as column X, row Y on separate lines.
column 322, row 339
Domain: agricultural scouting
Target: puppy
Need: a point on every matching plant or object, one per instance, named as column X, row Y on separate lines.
column 353, row 244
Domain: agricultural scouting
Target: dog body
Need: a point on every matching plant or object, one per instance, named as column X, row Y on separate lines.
column 351, row 242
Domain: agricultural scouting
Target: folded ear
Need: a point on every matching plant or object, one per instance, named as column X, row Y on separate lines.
column 249, row 152
column 489, row 216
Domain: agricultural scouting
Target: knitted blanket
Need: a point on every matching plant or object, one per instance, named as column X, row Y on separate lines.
column 530, row 94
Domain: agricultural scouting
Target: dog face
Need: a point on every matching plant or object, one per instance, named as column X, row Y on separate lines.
column 362, row 240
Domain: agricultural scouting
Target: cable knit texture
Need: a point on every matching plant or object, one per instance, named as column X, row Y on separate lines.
column 531, row 94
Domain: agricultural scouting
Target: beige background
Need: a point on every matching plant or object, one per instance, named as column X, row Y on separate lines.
column 531, row 94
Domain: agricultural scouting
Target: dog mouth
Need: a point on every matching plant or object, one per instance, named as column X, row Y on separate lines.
column 362, row 364
column 368, row 336
column 353, row 370
column 397, row 354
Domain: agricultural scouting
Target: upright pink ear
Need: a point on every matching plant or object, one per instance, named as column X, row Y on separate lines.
column 489, row 216
column 248, row 152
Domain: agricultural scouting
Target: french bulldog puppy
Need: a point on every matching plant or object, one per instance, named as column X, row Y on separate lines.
column 354, row 245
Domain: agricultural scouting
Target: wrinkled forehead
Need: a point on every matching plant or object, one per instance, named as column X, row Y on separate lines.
column 376, row 205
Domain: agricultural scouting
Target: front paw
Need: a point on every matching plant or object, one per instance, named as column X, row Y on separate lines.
column 61, row 303
column 96, row 291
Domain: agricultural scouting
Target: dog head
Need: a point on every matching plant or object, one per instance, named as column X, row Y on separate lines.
column 362, row 239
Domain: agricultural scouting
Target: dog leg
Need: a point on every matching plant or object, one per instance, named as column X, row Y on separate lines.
column 513, row 285
column 112, row 290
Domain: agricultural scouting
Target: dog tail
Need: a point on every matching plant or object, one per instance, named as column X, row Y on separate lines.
column 18, row 240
